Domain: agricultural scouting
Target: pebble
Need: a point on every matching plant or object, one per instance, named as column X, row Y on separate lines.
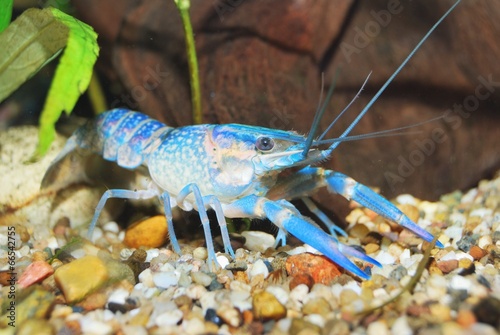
column 118, row 296
column 448, row 265
column 258, row 240
column 378, row 328
column 476, row 252
column 441, row 312
column 35, row 305
column 316, row 306
column 150, row 233
column 465, row 318
column 230, row 315
column 384, row 257
column 302, row 327
column 267, row 307
column 200, row 253
column 237, row 266
column 201, row 278
column 80, row 277
column 359, row 230
column 320, row 268
column 401, row 326
column 212, row 316
column 299, row 279
column 166, row 279
column 259, row 268
column 371, row 248
column 484, row 241
column 169, row 318
column 34, row 273
column 279, row 293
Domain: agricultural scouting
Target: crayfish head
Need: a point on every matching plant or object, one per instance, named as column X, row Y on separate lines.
column 256, row 155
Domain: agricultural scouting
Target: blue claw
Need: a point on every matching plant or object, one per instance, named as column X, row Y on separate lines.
column 360, row 193
column 327, row 245
column 317, row 238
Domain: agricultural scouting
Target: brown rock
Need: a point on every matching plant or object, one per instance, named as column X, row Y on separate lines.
column 150, row 233
column 320, row 268
column 477, row 253
column 466, row 318
column 447, row 266
column 301, row 278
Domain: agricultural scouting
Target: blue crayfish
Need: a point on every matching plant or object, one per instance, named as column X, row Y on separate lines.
column 236, row 171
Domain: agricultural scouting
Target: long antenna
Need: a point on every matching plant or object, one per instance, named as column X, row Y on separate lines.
column 391, row 78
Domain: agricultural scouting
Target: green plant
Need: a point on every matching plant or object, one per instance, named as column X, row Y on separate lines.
column 30, row 42
column 183, row 7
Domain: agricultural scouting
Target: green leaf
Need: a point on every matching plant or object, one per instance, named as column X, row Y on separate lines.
column 72, row 76
column 28, row 43
column 5, row 13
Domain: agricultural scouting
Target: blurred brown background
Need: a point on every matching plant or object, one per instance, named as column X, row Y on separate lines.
column 261, row 64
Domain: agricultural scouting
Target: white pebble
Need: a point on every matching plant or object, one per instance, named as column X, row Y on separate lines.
column 89, row 325
column 193, row 326
column 201, row 278
column 316, row 319
column 404, row 199
column 401, row 327
column 167, row 267
column 146, row 278
column 299, row 292
column 152, row 253
column 461, row 255
column 241, row 300
column 259, row 267
column 279, row 292
column 222, row 260
column 296, row 251
column 208, row 301
column 237, row 285
column 118, row 296
column 454, row 232
column 460, row 283
column 484, row 241
column 384, row 257
column 354, row 286
column 169, row 318
column 469, row 196
column 195, row 292
column 457, row 219
column 449, row 256
column 200, row 253
column 111, row 227
column 377, row 328
column 258, row 240
column 166, row 279
column 481, row 212
column 405, row 256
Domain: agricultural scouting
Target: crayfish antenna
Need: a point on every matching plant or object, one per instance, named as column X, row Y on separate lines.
column 391, row 78
column 320, row 110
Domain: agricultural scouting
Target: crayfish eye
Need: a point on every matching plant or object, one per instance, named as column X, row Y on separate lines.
column 264, row 143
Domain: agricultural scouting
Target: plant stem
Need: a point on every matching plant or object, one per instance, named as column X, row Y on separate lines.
column 183, row 7
column 96, row 95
